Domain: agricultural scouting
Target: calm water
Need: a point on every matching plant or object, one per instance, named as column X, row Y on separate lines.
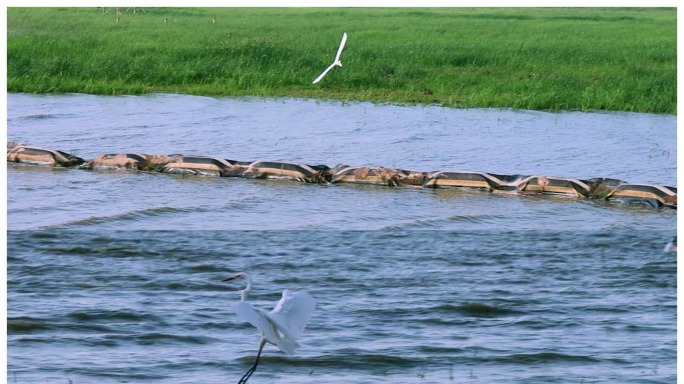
column 116, row 277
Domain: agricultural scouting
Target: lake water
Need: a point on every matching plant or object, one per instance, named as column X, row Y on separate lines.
column 117, row 276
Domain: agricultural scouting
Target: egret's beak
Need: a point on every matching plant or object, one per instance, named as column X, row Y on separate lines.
column 232, row 278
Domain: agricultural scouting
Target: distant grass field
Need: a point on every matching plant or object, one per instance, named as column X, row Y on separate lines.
column 619, row 59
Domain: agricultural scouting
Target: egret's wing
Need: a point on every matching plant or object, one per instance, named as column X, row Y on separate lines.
column 257, row 317
column 268, row 328
column 339, row 50
column 323, row 74
column 293, row 312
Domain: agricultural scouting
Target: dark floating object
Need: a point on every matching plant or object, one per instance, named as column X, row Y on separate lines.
column 20, row 153
column 475, row 180
column 655, row 195
column 369, row 175
column 554, row 185
column 597, row 188
column 287, row 171
column 205, row 166
column 128, row 161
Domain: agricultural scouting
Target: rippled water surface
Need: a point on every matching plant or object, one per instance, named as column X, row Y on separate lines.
column 117, row 276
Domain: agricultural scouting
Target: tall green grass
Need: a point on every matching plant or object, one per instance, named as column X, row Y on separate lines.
column 527, row 58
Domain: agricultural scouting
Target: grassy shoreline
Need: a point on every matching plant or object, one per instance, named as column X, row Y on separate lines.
column 616, row 59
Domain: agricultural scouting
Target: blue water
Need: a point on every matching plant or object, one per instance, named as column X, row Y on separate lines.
column 117, row 276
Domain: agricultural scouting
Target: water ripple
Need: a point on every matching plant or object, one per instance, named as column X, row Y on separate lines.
column 124, row 217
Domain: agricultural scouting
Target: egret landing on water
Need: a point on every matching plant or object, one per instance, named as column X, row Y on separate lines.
column 337, row 61
column 280, row 327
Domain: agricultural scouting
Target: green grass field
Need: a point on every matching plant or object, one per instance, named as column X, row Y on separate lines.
column 618, row 59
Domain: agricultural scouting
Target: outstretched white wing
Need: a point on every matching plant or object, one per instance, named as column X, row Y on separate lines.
column 268, row 328
column 256, row 317
column 323, row 74
column 285, row 323
column 293, row 312
column 339, row 50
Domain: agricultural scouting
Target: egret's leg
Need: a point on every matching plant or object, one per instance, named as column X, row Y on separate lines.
column 248, row 374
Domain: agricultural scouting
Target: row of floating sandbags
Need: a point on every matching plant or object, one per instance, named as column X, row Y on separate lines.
column 597, row 188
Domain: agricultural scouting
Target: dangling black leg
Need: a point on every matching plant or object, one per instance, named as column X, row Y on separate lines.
column 247, row 375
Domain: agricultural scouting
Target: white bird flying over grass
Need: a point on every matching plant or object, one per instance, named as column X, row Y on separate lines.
column 337, row 61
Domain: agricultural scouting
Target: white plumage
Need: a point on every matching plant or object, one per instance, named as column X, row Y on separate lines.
column 285, row 323
column 337, row 61
column 282, row 326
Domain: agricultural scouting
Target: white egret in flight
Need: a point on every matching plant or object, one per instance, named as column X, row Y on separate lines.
column 671, row 246
column 280, row 327
column 337, row 61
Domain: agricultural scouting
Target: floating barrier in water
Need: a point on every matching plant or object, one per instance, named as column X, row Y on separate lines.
column 13, row 144
column 554, row 185
column 286, row 171
column 476, row 180
column 205, row 166
column 596, row 188
column 128, row 161
column 654, row 195
column 21, row 153
column 116, row 161
column 378, row 176
column 368, row 175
